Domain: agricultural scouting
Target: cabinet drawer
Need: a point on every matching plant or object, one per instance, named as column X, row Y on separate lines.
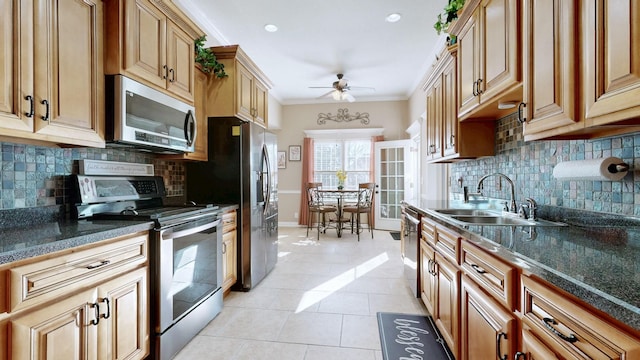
column 428, row 231
column 569, row 328
column 448, row 243
column 228, row 221
column 496, row 277
column 45, row 280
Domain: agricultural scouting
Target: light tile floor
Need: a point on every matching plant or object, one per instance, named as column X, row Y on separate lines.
column 319, row 303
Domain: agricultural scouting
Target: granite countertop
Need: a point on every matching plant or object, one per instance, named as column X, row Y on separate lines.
column 25, row 233
column 596, row 257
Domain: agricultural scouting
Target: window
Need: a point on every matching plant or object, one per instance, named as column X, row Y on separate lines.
column 351, row 155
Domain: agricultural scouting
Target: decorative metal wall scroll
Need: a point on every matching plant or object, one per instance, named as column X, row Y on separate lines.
column 343, row 116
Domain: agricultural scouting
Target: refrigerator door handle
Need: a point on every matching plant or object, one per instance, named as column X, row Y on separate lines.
column 265, row 158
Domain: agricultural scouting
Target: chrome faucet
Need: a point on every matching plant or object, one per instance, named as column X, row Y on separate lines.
column 512, row 207
column 533, row 206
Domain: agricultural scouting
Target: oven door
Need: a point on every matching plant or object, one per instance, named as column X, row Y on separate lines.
column 188, row 268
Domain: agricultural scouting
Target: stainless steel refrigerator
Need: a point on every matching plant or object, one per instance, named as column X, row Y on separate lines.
column 242, row 170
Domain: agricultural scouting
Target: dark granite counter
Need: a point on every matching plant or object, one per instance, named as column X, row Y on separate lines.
column 595, row 258
column 30, row 232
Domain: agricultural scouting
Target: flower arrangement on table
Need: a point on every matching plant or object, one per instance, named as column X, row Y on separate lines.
column 342, row 176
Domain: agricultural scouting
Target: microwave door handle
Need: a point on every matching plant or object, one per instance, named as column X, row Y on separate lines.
column 190, row 128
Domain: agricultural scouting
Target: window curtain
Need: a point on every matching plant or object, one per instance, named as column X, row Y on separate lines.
column 372, row 175
column 307, row 177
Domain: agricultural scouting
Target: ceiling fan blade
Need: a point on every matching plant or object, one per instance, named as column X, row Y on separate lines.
column 320, row 87
column 348, row 97
column 326, row 94
column 368, row 88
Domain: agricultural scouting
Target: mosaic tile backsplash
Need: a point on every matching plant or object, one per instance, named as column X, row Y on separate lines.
column 35, row 175
column 530, row 166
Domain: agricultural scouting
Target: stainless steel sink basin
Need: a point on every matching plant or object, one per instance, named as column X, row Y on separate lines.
column 471, row 212
column 502, row 220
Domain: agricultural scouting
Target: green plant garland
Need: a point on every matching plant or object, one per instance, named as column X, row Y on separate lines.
column 206, row 58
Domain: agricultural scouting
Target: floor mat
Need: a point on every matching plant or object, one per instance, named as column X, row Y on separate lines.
column 405, row 336
column 395, row 235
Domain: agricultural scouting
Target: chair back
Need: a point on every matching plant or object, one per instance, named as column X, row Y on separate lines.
column 365, row 195
column 314, row 198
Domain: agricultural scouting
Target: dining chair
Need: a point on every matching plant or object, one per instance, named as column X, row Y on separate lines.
column 318, row 207
column 363, row 205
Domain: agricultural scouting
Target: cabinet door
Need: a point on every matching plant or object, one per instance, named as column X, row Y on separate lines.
column 434, row 120
column 180, row 61
column 62, row 330
column 549, row 74
column 488, row 331
column 612, row 60
column 428, row 277
column 229, row 262
column 16, row 66
column 4, row 346
column 468, row 65
column 261, row 104
column 244, row 93
column 500, row 49
column 534, row 349
column 145, row 42
column 68, row 64
column 124, row 326
column 448, row 303
column 449, row 108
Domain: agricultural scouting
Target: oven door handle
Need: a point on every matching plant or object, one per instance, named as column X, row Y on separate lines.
column 168, row 234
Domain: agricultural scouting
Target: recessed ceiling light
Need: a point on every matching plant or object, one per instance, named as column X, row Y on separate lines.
column 393, row 17
column 271, row 28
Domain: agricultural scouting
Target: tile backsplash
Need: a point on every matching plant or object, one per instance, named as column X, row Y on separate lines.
column 530, row 166
column 35, row 175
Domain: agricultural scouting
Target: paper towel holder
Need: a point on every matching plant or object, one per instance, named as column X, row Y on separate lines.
column 616, row 168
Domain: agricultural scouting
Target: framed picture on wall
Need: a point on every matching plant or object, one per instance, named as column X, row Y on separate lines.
column 294, row 152
column 282, row 159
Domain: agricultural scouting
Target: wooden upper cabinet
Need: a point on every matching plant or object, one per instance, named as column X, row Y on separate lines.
column 244, row 93
column 150, row 43
column 488, row 57
column 612, row 61
column 434, row 120
column 550, row 72
column 52, row 71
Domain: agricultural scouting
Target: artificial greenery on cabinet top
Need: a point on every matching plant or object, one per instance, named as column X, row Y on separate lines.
column 450, row 14
column 206, row 58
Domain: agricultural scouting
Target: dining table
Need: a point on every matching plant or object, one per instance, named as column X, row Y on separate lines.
column 340, row 195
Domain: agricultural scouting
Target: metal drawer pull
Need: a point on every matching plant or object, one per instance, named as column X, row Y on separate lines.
column 29, row 98
column 519, row 355
column 478, row 269
column 548, row 322
column 498, row 338
column 46, row 110
column 102, row 263
column 95, row 321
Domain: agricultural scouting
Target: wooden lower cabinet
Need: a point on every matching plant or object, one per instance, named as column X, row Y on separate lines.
column 229, row 250
column 106, row 322
column 488, row 331
column 448, row 302
column 428, row 278
column 533, row 348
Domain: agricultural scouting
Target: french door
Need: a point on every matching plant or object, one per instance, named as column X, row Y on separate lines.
column 396, row 179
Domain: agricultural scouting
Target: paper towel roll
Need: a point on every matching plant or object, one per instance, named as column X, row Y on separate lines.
column 603, row 169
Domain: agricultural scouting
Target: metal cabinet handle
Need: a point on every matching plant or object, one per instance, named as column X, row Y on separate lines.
column 452, row 140
column 173, row 75
column 498, row 338
column 102, row 263
column 166, row 74
column 96, row 306
column 519, row 355
column 479, row 91
column 224, row 248
column 433, row 148
column 478, row 269
column 108, row 314
column 548, row 323
column 29, row 98
column 521, row 117
column 46, row 111
column 473, row 90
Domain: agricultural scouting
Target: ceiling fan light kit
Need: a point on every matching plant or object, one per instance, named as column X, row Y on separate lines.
column 340, row 88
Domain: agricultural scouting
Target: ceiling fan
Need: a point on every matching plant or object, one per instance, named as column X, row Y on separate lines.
column 340, row 89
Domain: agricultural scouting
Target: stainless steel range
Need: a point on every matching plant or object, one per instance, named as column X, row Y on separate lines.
column 185, row 253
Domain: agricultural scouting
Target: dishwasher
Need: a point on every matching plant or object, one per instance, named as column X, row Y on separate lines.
column 410, row 245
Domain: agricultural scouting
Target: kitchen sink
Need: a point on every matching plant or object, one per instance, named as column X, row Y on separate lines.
column 467, row 212
column 490, row 218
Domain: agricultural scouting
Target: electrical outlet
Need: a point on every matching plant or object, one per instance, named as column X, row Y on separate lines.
column 295, row 215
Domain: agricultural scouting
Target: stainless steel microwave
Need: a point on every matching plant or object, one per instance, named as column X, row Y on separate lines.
column 144, row 118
